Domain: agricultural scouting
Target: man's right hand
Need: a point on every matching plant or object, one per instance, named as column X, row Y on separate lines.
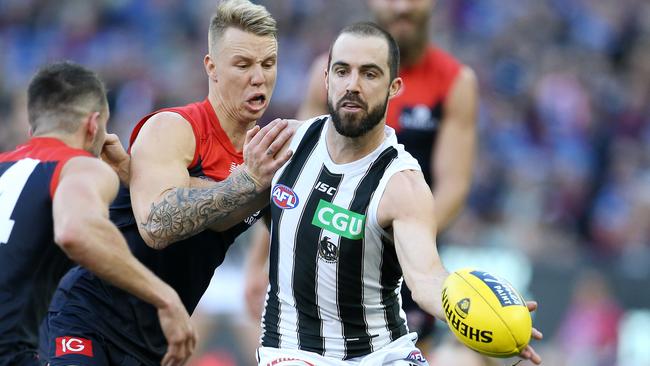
column 265, row 151
column 113, row 154
column 181, row 336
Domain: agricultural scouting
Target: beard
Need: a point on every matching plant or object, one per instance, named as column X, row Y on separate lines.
column 355, row 125
column 410, row 43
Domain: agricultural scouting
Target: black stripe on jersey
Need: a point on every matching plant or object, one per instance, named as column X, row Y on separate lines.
column 271, row 336
column 350, row 265
column 391, row 273
column 310, row 335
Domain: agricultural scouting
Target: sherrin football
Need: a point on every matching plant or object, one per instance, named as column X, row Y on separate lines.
column 486, row 313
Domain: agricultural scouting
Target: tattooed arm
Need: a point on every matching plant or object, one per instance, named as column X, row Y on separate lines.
column 167, row 208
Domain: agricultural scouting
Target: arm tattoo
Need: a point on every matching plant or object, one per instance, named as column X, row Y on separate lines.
column 183, row 211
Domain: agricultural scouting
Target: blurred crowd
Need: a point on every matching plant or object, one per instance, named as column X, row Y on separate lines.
column 563, row 171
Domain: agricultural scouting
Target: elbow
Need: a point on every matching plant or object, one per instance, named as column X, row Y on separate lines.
column 69, row 238
column 157, row 242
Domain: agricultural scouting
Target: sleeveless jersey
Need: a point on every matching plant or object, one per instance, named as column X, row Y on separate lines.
column 32, row 264
column 187, row 265
column 334, row 275
column 417, row 111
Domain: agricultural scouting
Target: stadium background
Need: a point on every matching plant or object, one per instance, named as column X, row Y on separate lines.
column 560, row 203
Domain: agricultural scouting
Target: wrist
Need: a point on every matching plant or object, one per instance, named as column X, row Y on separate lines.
column 258, row 185
column 167, row 298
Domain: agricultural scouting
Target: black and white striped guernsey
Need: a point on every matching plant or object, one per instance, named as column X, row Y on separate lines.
column 334, row 275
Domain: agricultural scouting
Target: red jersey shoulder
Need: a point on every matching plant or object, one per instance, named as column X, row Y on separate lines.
column 46, row 150
column 214, row 154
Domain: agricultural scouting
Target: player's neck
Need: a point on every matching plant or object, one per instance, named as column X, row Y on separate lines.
column 232, row 126
column 413, row 55
column 73, row 141
column 343, row 150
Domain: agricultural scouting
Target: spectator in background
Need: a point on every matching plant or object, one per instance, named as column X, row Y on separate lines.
column 589, row 331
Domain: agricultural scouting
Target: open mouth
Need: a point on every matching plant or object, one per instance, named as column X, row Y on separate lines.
column 257, row 100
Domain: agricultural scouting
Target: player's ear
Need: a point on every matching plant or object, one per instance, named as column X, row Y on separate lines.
column 395, row 87
column 327, row 81
column 210, row 67
column 92, row 125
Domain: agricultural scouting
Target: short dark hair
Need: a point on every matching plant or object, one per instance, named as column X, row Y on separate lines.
column 60, row 94
column 370, row 29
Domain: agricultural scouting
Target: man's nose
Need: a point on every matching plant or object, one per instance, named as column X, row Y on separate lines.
column 257, row 78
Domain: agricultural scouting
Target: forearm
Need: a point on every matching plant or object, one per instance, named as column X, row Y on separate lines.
column 426, row 290
column 108, row 256
column 259, row 250
column 450, row 198
column 186, row 211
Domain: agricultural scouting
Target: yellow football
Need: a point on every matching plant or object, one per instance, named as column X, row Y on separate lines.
column 486, row 313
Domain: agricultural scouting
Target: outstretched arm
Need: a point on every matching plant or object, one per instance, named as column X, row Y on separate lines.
column 455, row 149
column 168, row 209
column 84, row 232
column 412, row 218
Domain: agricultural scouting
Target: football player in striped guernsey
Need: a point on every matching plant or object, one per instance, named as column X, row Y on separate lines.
column 351, row 217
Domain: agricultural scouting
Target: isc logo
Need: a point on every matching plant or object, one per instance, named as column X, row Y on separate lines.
column 284, row 197
column 326, row 188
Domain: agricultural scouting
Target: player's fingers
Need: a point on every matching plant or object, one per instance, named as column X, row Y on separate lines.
column 263, row 131
column 537, row 334
column 182, row 354
column 531, row 305
column 191, row 342
column 250, row 134
column 179, row 351
column 280, row 141
column 280, row 160
column 170, row 357
column 534, row 357
column 271, row 136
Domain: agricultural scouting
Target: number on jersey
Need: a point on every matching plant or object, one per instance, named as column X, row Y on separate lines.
column 12, row 183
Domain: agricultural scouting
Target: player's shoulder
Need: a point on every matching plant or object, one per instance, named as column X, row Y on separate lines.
column 164, row 130
column 406, row 194
column 88, row 165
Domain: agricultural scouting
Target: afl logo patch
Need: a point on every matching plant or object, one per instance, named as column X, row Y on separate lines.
column 284, row 197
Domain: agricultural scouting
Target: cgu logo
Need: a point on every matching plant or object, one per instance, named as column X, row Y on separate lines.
column 338, row 220
column 73, row 345
column 284, row 197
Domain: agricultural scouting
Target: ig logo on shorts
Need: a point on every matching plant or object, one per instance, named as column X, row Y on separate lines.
column 73, row 345
column 284, row 197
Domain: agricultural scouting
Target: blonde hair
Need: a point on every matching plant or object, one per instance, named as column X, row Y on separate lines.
column 241, row 14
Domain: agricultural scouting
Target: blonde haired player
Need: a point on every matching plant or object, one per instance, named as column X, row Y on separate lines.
column 197, row 173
